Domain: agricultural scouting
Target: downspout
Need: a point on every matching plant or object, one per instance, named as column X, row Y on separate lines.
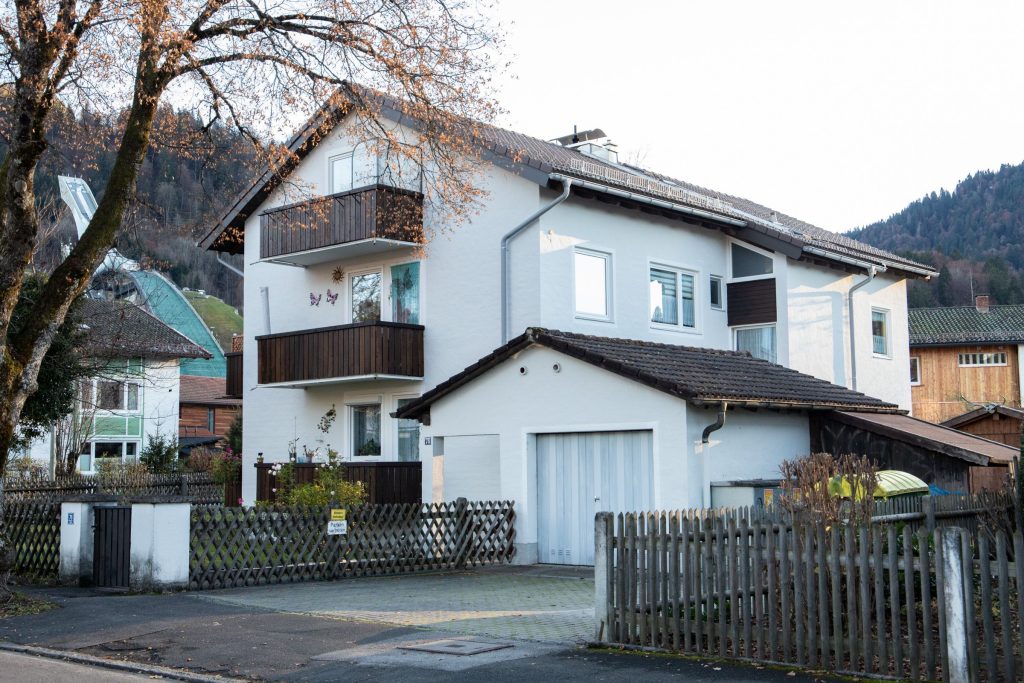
column 505, row 308
column 872, row 271
column 716, row 425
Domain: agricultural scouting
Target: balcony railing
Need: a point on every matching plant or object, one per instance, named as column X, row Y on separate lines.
column 233, row 386
column 346, row 353
column 355, row 223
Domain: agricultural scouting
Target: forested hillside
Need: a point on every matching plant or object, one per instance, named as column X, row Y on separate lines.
column 973, row 235
column 184, row 184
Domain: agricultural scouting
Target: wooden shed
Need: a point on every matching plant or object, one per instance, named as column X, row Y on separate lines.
column 996, row 422
column 955, row 461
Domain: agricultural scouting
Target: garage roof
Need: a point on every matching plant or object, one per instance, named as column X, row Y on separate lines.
column 697, row 375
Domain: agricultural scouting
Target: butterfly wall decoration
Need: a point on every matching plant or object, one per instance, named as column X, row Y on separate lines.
column 332, row 297
column 314, row 299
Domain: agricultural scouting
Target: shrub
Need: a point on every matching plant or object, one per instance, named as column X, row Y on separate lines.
column 112, row 469
column 234, row 434
column 226, row 467
column 25, row 467
column 808, row 484
column 202, row 459
column 160, row 454
column 330, row 485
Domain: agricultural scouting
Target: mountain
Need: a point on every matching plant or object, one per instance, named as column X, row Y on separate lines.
column 973, row 235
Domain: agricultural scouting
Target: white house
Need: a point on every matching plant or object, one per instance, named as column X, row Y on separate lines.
column 345, row 310
column 134, row 394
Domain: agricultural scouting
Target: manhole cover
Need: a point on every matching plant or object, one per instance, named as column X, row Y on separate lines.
column 455, row 647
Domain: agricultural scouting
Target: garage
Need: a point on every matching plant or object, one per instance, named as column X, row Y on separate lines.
column 580, row 474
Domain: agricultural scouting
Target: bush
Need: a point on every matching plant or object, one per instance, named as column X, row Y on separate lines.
column 807, row 485
column 234, row 434
column 202, row 459
column 112, row 469
column 160, row 454
column 24, row 467
column 226, row 467
column 330, row 486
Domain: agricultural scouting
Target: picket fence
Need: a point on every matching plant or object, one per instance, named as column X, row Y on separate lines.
column 862, row 601
column 265, row 545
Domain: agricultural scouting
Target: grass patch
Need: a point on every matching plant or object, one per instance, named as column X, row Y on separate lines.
column 221, row 318
column 20, row 605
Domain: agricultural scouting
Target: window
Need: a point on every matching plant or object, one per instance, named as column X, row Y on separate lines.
column 366, row 430
column 717, row 294
column 749, row 263
column 759, row 341
column 210, row 419
column 366, row 297
column 93, row 453
column 973, row 360
column 915, row 371
column 115, row 395
column 405, row 293
column 880, row 332
column 672, row 297
column 342, row 175
column 132, row 401
column 592, row 271
column 408, row 436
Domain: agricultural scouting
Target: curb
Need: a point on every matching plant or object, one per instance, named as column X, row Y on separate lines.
column 130, row 667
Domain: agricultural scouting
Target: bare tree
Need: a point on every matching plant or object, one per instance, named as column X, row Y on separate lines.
column 72, row 433
column 257, row 65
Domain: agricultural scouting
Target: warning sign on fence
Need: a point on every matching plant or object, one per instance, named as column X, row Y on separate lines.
column 338, row 525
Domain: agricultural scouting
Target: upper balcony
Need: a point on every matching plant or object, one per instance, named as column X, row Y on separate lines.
column 366, row 220
column 344, row 353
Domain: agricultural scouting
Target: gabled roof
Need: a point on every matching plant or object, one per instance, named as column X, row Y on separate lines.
column 118, row 329
column 973, row 449
column 697, row 375
column 547, row 163
column 983, row 412
column 966, row 325
column 206, row 391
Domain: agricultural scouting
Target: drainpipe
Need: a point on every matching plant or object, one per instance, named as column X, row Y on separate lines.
column 872, row 271
column 717, row 424
column 505, row 307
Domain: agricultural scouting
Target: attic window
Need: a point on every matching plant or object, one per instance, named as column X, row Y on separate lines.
column 749, row 263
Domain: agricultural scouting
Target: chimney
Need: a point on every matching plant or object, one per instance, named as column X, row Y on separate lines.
column 981, row 303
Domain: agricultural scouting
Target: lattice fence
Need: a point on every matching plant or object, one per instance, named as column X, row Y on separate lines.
column 33, row 530
column 199, row 487
column 253, row 546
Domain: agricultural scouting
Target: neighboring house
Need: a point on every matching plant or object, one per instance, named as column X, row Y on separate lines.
column 135, row 392
column 996, row 422
column 963, row 357
column 345, row 308
column 206, row 411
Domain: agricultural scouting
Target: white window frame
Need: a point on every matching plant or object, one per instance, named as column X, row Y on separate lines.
column 111, row 439
column 979, row 361
column 609, row 284
column 350, row 423
column 678, row 270
column 888, row 332
column 749, row 247
column 330, row 170
column 124, row 397
column 738, row 328
column 720, row 306
column 395, row 400
column 915, row 362
column 385, row 299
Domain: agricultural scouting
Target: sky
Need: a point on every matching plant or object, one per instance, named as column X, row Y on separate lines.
column 837, row 113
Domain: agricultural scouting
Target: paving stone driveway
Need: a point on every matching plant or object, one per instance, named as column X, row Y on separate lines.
column 540, row 603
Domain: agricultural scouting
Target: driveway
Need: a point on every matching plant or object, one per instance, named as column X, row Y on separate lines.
column 545, row 604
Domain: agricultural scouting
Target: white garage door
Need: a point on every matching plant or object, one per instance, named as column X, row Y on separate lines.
column 581, row 474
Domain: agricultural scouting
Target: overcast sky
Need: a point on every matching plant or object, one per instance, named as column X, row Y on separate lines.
column 838, row 115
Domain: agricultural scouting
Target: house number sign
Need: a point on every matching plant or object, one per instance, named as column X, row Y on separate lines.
column 338, row 524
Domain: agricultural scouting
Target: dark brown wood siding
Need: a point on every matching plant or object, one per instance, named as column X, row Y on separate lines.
column 377, row 211
column 752, row 302
column 194, row 418
column 233, row 385
column 386, row 482
column 379, row 348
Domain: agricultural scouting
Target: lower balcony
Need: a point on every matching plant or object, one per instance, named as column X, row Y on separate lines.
column 345, row 353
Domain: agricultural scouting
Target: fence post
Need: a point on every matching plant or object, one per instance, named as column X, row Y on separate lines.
column 183, row 487
column 463, row 532
column 603, row 609
column 928, row 507
column 955, row 606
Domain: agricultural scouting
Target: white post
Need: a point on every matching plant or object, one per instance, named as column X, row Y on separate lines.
column 953, row 591
column 75, row 543
column 160, row 545
column 603, row 572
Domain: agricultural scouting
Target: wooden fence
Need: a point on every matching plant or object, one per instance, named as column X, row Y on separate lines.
column 33, row 531
column 385, row 482
column 263, row 545
column 198, row 487
column 863, row 601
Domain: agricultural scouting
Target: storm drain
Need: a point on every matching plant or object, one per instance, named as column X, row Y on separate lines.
column 463, row 648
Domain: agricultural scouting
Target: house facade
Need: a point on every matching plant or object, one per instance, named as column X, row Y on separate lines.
column 965, row 357
column 347, row 310
column 135, row 391
column 206, row 411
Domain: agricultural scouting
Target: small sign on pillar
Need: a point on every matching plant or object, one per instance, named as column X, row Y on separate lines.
column 338, row 524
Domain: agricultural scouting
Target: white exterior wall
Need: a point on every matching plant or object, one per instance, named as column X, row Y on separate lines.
column 583, row 398
column 819, row 330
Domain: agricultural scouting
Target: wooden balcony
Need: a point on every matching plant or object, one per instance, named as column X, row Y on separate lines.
column 345, row 353
column 233, row 386
column 367, row 220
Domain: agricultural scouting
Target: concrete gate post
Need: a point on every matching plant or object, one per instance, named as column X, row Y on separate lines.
column 955, row 605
